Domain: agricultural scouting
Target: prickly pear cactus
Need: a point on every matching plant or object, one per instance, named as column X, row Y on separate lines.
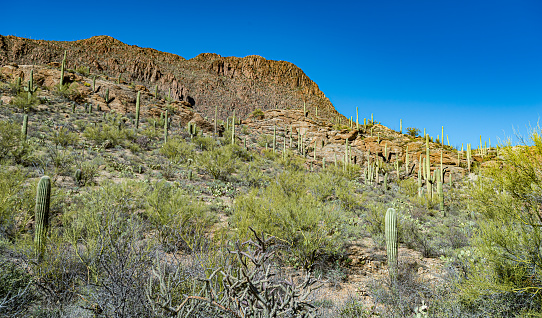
column 43, row 200
column 391, row 241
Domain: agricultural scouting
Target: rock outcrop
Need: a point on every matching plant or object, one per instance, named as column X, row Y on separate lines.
column 206, row 81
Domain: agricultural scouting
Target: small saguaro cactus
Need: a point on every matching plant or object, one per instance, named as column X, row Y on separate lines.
column 440, row 195
column 43, row 200
column 77, row 177
column 62, row 66
column 233, row 129
column 216, row 120
column 24, row 129
column 165, row 126
column 107, row 95
column 391, row 242
column 137, row 110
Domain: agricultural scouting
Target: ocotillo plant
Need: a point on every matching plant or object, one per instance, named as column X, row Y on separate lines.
column 391, row 242
column 43, row 199
column 24, row 129
column 137, row 110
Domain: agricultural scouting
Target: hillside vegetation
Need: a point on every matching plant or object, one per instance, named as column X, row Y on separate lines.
column 117, row 201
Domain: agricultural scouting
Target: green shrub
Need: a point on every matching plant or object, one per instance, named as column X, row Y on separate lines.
column 108, row 136
column 25, row 102
column 177, row 150
column 204, row 143
column 307, row 227
column 69, row 91
column 10, row 139
column 63, row 137
column 507, row 198
column 219, row 162
column 178, row 217
column 413, row 131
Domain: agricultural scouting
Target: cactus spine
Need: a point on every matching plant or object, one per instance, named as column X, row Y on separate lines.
column 24, row 129
column 43, row 200
column 391, row 242
column 137, row 109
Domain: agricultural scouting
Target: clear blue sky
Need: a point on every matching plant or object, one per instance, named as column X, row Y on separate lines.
column 473, row 66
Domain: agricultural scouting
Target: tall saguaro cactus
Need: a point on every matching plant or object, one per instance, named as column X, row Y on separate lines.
column 62, row 66
column 43, row 200
column 137, row 109
column 391, row 241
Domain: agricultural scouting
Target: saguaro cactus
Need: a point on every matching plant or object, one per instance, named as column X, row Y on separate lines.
column 391, row 241
column 77, row 176
column 24, row 129
column 137, row 110
column 62, row 66
column 43, row 200
column 165, row 127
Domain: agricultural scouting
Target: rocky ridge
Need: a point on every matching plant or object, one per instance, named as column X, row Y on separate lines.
column 205, row 81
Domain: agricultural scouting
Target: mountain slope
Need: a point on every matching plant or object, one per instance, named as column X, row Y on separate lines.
column 206, row 81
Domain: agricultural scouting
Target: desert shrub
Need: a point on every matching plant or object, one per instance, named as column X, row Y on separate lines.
column 108, row 239
column 69, row 91
column 307, row 227
column 177, row 216
column 83, row 70
column 177, row 150
column 219, row 162
column 413, row 131
column 204, row 142
column 16, row 293
column 10, row 139
column 264, row 140
column 507, row 198
column 401, row 297
column 108, row 136
column 25, row 102
column 63, row 137
column 11, row 207
column 258, row 113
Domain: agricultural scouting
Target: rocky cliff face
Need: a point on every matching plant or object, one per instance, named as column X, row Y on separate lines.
column 206, row 81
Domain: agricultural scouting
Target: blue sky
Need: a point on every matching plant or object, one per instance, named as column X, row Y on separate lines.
column 474, row 67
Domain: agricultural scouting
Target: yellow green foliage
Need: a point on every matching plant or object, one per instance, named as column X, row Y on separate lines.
column 507, row 245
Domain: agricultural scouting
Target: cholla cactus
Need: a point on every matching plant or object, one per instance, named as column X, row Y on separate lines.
column 253, row 289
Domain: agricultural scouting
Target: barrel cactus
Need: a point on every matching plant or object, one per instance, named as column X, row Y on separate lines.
column 43, row 200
